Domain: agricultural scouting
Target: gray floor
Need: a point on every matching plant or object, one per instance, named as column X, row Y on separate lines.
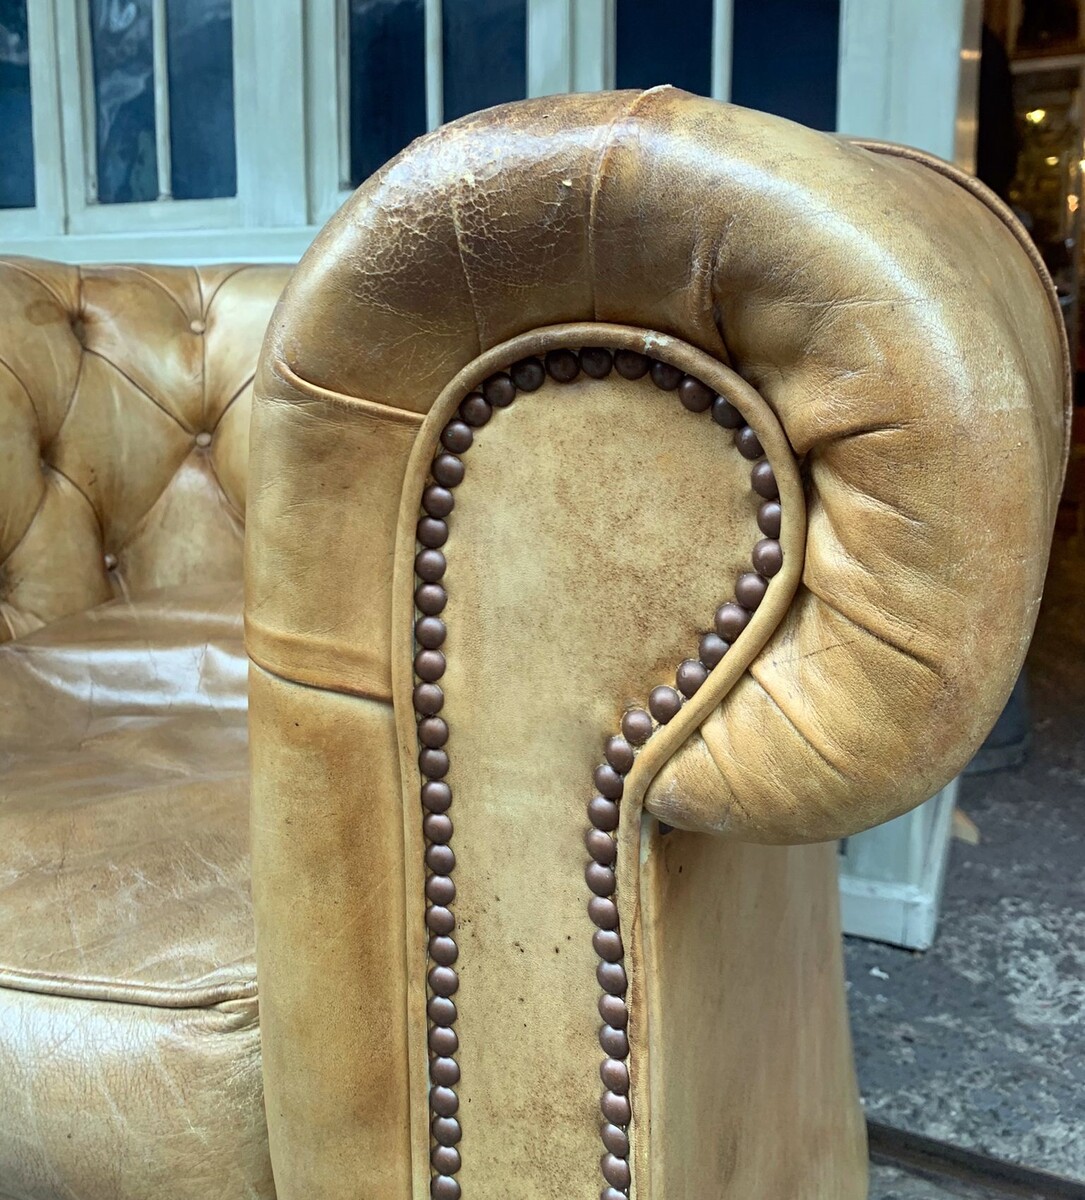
column 887, row 1183
column 981, row 1040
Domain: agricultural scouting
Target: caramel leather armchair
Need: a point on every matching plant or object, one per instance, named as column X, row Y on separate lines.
column 129, row 1037
column 644, row 492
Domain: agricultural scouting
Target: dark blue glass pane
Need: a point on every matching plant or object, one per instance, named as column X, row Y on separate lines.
column 665, row 43
column 485, row 54
column 785, row 58
column 200, row 51
column 16, row 138
column 387, row 81
column 123, row 54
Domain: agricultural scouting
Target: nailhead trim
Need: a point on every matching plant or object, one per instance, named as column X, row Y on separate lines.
column 619, row 751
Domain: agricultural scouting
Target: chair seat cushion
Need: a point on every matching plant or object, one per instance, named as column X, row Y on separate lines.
column 129, row 1039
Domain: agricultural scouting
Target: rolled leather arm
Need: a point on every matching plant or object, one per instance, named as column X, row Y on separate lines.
column 889, row 310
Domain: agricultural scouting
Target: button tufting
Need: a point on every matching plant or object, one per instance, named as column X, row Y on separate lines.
column 197, row 326
column 203, row 438
column 110, row 561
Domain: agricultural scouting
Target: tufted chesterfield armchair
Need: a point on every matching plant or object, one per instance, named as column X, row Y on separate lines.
column 644, row 492
column 129, row 1039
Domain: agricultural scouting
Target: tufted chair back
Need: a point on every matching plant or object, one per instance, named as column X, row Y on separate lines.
column 124, row 415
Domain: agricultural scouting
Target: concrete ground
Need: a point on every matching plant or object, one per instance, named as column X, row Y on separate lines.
column 980, row 1041
column 887, row 1183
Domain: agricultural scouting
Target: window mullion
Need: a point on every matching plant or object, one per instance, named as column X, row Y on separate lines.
column 269, row 70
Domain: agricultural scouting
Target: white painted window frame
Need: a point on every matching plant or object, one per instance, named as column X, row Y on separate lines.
column 290, row 102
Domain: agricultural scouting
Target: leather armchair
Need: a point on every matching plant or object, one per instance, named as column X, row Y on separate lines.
column 129, row 1038
column 645, row 492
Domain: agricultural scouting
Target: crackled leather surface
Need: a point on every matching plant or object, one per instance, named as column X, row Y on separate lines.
column 129, row 1037
column 891, row 317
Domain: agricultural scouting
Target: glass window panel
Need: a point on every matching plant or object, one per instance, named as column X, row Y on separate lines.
column 485, row 54
column 387, row 81
column 665, row 43
column 200, row 52
column 785, row 58
column 16, row 137
column 123, row 58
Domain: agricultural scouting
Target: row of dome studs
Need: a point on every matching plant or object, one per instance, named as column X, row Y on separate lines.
column 638, row 725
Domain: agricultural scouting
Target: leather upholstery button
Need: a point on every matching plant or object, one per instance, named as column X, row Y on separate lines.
column 437, row 827
column 438, row 501
column 601, row 846
column 428, row 699
column 768, row 518
column 203, row 439
column 614, row 1042
column 690, row 675
column 429, row 632
column 433, row 764
column 695, row 395
column 664, row 376
column 767, row 557
column 603, row 813
column 476, row 410
column 444, row 1187
column 109, row 561
column 600, row 879
column 637, row 726
column 197, row 326
column 630, row 364
column 444, row 1101
column 528, row 374
column 615, row 1075
column 443, row 949
column 447, row 469
column 562, row 366
column 444, row 1070
column 750, row 590
column 443, row 1041
column 608, row 944
column 430, row 599
column 604, row 913
column 724, row 413
column 596, row 362
column 608, row 781
column 457, row 436
column 616, row 1108
column 430, row 565
column 613, row 1010
column 747, row 444
column 443, row 981
column 433, row 731
column 446, row 1159
column 611, row 978
column 616, row 1140
column 441, row 1010
column 619, row 753
column 429, row 665
column 446, row 1131
column 440, row 919
column 615, row 1170
column 731, row 620
column 436, row 796
column 431, row 532
column 664, row 703
column 711, row 649
column 763, row 480
column 499, row 390
column 440, row 858
column 440, row 889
